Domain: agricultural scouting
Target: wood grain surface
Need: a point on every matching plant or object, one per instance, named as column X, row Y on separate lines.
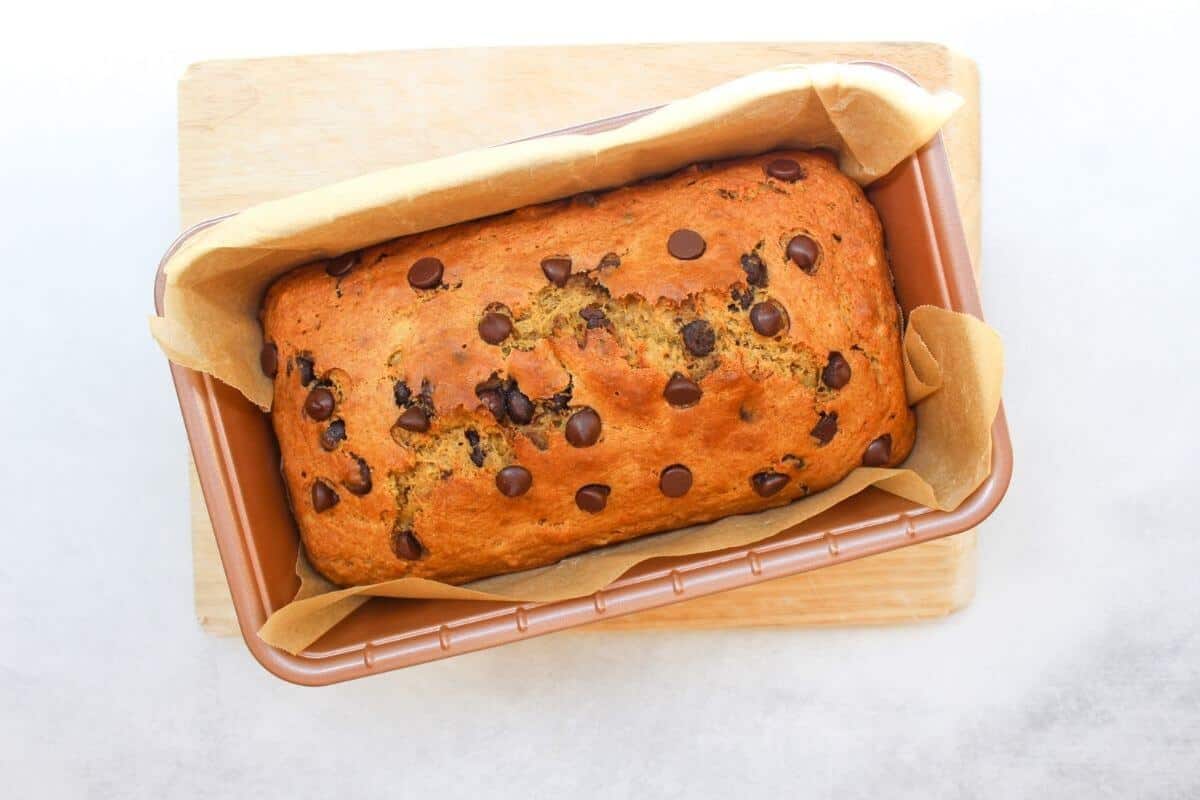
column 255, row 130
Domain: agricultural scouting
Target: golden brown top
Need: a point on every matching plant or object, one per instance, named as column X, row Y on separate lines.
column 501, row 393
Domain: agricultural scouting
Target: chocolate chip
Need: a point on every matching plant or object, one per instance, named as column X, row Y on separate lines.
column 491, row 395
column 493, row 401
column 493, row 382
column 323, row 496
column 268, row 359
column 319, row 404
column 685, row 244
column 826, row 427
column 609, row 261
column 335, row 433
column 557, row 270
column 699, row 337
column 879, row 452
column 785, row 169
column 803, row 251
column 426, row 273
column 339, row 266
column 477, row 454
column 358, row 479
column 414, row 419
column 768, row 318
column 593, row 497
column 589, row 199
column 594, row 315
column 494, row 328
column 741, row 300
column 682, row 392
column 305, row 366
column 561, row 400
column 768, row 483
column 402, row 393
column 675, row 481
column 513, row 481
column 406, row 545
column 583, row 428
column 837, row 371
column 755, row 269
column 520, row 407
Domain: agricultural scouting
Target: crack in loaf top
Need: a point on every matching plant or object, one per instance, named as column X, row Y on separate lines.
column 709, row 320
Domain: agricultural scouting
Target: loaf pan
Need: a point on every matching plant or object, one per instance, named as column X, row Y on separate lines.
column 237, row 459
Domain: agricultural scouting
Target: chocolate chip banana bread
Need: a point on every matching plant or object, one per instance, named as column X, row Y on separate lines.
column 502, row 393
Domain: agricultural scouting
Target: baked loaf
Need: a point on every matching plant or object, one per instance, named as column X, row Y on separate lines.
column 499, row 394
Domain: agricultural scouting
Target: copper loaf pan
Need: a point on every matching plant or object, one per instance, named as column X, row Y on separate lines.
column 237, row 458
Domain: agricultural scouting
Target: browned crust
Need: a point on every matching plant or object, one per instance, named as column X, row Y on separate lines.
column 762, row 397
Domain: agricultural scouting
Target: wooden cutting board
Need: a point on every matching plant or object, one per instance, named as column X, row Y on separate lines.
column 255, row 130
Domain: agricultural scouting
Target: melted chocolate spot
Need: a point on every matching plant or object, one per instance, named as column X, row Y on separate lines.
column 879, row 452
column 513, row 481
column 335, row 433
column 426, row 273
column 477, row 454
column 339, row 266
column 675, row 481
column 682, row 392
column 323, row 496
column 686, row 244
column 804, row 251
column 319, row 404
column 837, row 371
column 768, row 483
column 557, row 270
column 583, row 428
column 768, row 318
column 593, row 497
column 594, row 315
column 406, row 545
column 785, row 169
column 414, row 419
column 755, row 269
column 520, row 407
column 495, row 328
column 402, row 393
column 826, row 428
column 699, row 338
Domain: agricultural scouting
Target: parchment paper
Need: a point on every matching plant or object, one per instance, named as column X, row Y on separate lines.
column 215, row 281
column 873, row 119
column 954, row 366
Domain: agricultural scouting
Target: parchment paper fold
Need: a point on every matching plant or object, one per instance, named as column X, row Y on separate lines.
column 215, row 281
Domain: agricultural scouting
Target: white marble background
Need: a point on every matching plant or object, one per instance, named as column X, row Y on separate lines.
column 1075, row 672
